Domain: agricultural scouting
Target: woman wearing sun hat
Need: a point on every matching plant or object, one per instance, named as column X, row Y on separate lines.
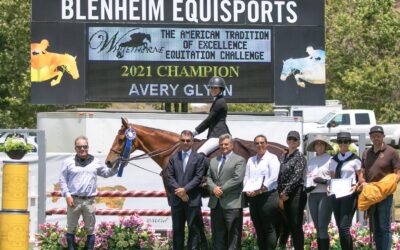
column 317, row 177
column 345, row 165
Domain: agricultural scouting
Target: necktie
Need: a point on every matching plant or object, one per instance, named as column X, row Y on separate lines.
column 222, row 164
column 184, row 160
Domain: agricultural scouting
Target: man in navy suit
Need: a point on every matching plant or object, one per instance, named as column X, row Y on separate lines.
column 185, row 171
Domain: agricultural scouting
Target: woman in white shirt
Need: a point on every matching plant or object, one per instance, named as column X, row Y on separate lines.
column 345, row 165
column 317, row 177
column 260, row 184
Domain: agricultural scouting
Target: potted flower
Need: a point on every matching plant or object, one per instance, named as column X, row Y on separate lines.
column 15, row 147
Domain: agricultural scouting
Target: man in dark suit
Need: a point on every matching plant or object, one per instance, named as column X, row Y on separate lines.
column 185, row 171
column 225, row 182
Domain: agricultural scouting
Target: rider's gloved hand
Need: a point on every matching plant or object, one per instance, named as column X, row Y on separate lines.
column 320, row 180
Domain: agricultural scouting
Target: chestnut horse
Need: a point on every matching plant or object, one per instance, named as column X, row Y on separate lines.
column 160, row 145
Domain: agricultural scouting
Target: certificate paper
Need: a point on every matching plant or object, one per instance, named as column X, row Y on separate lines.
column 311, row 175
column 341, row 187
column 253, row 184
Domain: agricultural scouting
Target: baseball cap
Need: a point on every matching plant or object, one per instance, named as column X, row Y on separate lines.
column 376, row 129
column 294, row 134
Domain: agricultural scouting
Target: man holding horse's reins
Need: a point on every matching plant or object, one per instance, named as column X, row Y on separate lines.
column 216, row 119
column 185, row 172
column 78, row 183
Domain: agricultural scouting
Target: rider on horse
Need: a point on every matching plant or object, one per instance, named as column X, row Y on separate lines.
column 216, row 119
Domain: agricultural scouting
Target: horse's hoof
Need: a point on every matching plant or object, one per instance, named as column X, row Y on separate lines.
column 54, row 83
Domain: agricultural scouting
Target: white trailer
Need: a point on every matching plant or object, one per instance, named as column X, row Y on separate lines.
column 101, row 126
column 311, row 113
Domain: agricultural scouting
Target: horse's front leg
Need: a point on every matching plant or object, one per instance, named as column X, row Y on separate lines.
column 56, row 81
column 299, row 81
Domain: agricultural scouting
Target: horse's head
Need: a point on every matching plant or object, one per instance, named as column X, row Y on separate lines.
column 71, row 67
column 121, row 144
column 148, row 37
column 286, row 69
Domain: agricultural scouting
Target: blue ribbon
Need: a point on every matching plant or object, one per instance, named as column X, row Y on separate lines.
column 130, row 135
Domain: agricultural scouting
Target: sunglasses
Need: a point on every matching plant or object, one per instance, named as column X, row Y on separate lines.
column 343, row 141
column 81, row 147
column 259, row 142
column 187, row 141
column 292, row 139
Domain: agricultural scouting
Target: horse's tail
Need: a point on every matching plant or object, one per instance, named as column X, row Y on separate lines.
column 282, row 229
column 164, row 176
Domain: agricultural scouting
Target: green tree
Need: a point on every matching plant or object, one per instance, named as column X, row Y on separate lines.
column 15, row 86
column 249, row 107
column 363, row 48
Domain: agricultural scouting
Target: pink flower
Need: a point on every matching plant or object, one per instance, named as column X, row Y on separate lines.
column 169, row 234
column 63, row 241
column 393, row 227
column 353, row 232
column 141, row 243
column 314, row 244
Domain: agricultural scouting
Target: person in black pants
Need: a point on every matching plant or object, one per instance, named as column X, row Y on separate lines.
column 318, row 175
column 185, row 171
column 291, row 190
column 263, row 169
column 345, row 165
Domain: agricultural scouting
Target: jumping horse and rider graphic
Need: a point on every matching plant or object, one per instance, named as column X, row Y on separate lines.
column 48, row 65
column 137, row 40
column 309, row 69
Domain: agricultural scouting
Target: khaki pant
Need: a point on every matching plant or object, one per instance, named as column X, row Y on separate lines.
column 84, row 207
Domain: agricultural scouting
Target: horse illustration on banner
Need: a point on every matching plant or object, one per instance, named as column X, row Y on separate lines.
column 309, row 69
column 137, row 40
column 47, row 65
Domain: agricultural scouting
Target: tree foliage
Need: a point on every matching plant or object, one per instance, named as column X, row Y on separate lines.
column 363, row 48
column 15, row 86
column 249, row 107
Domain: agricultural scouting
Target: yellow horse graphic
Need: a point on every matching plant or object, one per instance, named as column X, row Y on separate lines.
column 47, row 65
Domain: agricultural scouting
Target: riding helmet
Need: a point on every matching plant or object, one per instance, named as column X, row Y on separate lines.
column 217, row 81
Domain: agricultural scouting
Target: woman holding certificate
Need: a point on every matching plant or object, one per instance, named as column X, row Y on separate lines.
column 318, row 175
column 345, row 169
column 260, row 183
column 291, row 189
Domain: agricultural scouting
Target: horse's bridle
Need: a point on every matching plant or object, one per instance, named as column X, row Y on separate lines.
column 130, row 137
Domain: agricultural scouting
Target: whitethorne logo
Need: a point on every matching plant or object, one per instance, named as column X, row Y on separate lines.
column 104, row 42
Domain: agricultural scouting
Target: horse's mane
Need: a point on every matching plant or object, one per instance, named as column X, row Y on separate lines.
column 155, row 129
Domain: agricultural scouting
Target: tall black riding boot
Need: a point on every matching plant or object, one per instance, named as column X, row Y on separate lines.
column 71, row 242
column 91, row 239
column 323, row 244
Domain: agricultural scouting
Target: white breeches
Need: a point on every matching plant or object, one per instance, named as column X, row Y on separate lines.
column 209, row 146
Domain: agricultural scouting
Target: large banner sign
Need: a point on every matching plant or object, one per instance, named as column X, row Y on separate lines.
column 158, row 50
